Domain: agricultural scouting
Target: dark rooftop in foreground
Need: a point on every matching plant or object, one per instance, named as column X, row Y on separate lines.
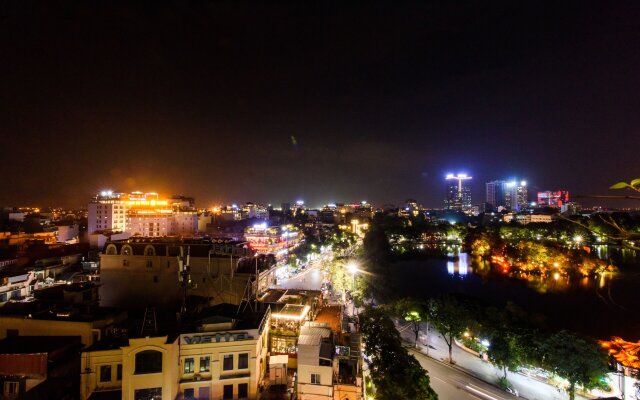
column 38, row 344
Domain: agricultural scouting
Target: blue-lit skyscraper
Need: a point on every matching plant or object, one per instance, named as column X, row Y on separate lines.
column 458, row 195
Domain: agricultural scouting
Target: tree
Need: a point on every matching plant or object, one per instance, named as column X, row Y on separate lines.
column 377, row 253
column 626, row 237
column 450, row 317
column 411, row 311
column 506, row 352
column 578, row 360
column 395, row 373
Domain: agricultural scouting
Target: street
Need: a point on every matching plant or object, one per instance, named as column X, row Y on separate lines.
column 527, row 387
column 452, row 384
column 308, row 279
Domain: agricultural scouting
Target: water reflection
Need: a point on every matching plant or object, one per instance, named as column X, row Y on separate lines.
column 553, row 280
column 621, row 256
column 458, row 264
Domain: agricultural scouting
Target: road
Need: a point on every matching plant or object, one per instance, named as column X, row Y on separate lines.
column 452, row 384
column 527, row 387
column 308, row 279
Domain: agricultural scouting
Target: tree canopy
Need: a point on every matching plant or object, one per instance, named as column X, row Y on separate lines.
column 395, row 373
column 578, row 360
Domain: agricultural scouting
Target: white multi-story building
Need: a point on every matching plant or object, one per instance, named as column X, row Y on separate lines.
column 149, row 224
column 107, row 212
column 141, row 214
column 315, row 363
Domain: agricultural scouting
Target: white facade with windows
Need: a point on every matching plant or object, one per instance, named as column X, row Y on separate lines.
column 315, row 364
column 141, row 214
column 110, row 216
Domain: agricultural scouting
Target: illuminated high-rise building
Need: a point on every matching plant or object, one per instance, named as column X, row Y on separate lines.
column 512, row 195
column 107, row 212
column 142, row 214
column 495, row 193
column 551, row 198
column 458, row 195
column 516, row 195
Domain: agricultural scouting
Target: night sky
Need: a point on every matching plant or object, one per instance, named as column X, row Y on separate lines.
column 330, row 102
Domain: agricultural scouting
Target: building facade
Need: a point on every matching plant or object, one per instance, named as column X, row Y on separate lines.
column 142, row 214
column 145, row 271
column 512, row 195
column 223, row 360
column 554, row 199
column 458, row 194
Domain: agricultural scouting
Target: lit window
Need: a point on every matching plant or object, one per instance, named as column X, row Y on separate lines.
column 11, row 388
column 204, row 364
column 188, row 365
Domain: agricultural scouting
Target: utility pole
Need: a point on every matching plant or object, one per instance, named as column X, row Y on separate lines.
column 184, row 277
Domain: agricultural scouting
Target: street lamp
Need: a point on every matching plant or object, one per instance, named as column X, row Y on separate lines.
column 577, row 239
column 352, row 267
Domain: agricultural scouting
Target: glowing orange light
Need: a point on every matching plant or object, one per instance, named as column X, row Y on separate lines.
column 626, row 353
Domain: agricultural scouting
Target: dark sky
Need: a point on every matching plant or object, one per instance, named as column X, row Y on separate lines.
column 383, row 99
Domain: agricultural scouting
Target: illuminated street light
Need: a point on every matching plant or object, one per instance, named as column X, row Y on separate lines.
column 352, row 267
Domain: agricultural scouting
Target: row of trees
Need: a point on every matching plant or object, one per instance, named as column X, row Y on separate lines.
column 395, row 373
column 515, row 340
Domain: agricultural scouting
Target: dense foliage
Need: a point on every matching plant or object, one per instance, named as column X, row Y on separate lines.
column 395, row 373
column 578, row 360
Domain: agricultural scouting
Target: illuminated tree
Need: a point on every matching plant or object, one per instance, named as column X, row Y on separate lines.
column 480, row 246
column 411, row 311
column 506, row 352
column 578, row 360
column 450, row 317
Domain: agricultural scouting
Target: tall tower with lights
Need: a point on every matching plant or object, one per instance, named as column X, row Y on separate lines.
column 458, row 195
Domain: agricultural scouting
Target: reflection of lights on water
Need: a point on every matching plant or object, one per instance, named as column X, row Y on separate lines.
column 463, row 264
column 460, row 266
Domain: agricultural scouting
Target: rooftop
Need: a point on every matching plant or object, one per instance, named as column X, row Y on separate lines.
column 332, row 316
column 293, row 312
column 39, row 344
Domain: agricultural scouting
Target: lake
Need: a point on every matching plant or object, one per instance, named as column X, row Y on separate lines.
column 601, row 307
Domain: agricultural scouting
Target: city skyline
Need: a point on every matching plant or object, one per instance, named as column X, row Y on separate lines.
column 378, row 107
column 479, row 196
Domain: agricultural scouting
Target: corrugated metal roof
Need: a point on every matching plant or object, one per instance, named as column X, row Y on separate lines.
column 315, row 330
